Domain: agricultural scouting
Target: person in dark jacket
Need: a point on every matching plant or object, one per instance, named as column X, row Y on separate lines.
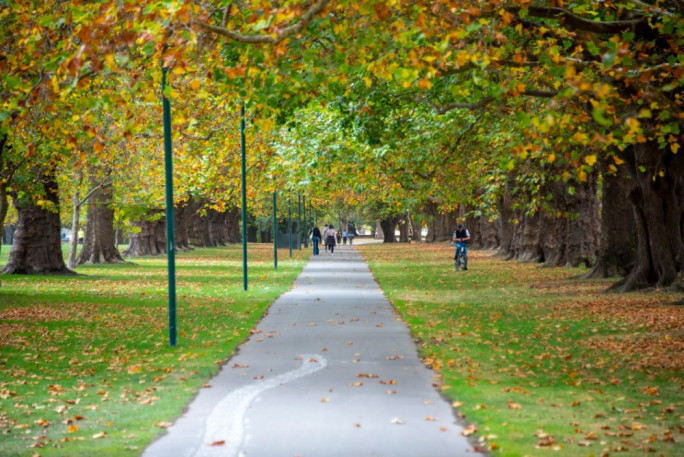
column 461, row 235
column 315, row 238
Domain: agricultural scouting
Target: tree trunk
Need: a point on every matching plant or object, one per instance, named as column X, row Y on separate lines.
column 507, row 219
column 525, row 241
column 389, row 225
column 378, row 230
column 657, row 199
column 180, row 224
column 618, row 243
column 417, row 229
column 441, row 225
column 4, row 182
column 404, row 225
column 569, row 230
column 37, row 247
column 150, row 239
column 99, row 243
column 231, row 226
column 75, row 221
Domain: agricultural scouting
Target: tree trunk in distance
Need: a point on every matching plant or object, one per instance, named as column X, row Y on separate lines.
column 151, row 239
column 404, row 225
column 37, row 247
column 379, row 234
column 99, row 243
column 441, row 225
column 617, row 248
column 75, row 221
column 417, row 229
column 389, row 225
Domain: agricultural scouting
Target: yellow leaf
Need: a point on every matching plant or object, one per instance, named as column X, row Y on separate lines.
column 195, row 84
column 674, row 147
column 73, row 428
column 590, row 160
column 582, row 176
column 551, row 158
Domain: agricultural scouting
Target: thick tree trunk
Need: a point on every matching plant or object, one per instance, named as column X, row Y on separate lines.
column 99, row 243
column 617, row 248
column 569, row 231
column 657, row 198
column 231, row 226
column 37, row 247
column 417, row 229
column 389, row 225
column 180, row 224
column 404, row 225
column 525, row 241
column 150, row 238
column 441, row 225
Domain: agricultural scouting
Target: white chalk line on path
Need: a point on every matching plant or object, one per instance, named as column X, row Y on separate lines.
column 225, row 423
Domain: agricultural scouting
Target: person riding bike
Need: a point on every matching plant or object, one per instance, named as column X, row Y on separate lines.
column 461, row 235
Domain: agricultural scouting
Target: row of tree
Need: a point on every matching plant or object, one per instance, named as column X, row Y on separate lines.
column 534, row 121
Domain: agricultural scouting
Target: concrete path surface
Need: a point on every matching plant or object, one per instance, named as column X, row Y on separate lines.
column 330, row 371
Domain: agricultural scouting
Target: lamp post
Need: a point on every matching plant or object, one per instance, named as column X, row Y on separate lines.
column 170, row 242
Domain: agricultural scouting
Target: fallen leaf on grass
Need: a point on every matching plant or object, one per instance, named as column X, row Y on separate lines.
column 99, row 435
column 469, row 430
column 163, row 424
column 514, row 405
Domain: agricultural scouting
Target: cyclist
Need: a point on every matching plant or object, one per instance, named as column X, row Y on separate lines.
column 461, row 235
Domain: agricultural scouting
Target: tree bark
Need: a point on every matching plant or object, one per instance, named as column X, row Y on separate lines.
column 231, row 226
column 37, row 245
column 150, row 239
column 75, row 221
column 404, row 225
column 417, row 229
column 618, row 243
column 180, row 224
column 657, row 199
column 99, row 243
column 389, row 225
column 441, row 225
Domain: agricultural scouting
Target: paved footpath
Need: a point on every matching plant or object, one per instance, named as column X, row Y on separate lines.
column 330, row 371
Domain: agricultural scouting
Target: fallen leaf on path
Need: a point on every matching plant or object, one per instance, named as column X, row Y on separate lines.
column 218, row 443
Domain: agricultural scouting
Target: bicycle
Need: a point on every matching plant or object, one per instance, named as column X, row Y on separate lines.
column 460, row 259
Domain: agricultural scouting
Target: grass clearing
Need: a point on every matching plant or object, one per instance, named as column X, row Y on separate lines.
column 538, row 361
column 85, row 366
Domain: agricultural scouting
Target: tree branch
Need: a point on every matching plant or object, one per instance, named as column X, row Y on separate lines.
column 471, row 106
column 579, row 23
column 269, row 39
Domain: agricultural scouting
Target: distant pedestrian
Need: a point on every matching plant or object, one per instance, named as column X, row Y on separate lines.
column 344, row 237
column 350, row 235
column 461, row 236
column 315, row 238
column 339, row 236
column 330, row 239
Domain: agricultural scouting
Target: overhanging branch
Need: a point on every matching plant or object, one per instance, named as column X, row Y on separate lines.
column 268, row 39
column 576, row 22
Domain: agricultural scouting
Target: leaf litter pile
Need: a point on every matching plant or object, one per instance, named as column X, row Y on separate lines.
column 538, row 362
column 85, row 363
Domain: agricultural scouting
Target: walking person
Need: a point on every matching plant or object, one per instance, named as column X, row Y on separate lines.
column 339, row 236
column 344, row 237
column 461, row 236
column 330, row 239
column 315, row 238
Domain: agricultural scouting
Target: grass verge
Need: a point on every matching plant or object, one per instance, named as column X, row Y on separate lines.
column 85, row 365
column 537, row 361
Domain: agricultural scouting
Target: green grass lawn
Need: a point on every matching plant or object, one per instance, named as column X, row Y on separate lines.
column 85, row 363
column 540, row 363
